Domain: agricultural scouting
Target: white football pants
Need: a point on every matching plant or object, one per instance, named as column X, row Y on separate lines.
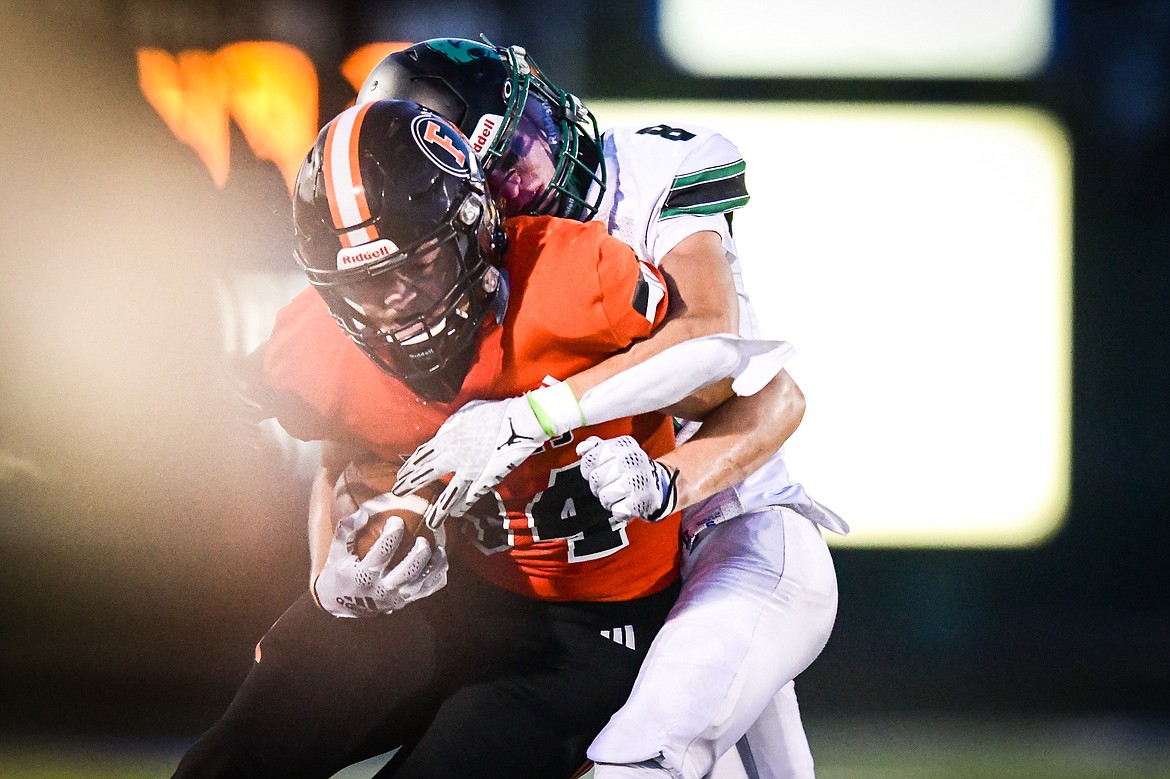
column 758, row 601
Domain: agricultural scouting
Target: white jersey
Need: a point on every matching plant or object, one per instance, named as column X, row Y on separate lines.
column 666, row 182
column 663, row 183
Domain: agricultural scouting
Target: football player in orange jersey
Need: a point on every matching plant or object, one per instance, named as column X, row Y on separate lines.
column 754, row 553
column 511, row 668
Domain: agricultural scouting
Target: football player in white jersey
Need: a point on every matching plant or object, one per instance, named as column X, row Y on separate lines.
column 760, row 594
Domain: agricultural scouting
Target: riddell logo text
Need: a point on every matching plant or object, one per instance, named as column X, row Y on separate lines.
column 365, row 254
column 485, row 132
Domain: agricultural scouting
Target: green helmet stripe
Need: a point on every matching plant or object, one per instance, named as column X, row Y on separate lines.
column 459, row 50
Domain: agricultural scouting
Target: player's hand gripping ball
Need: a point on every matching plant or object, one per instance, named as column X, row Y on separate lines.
column 358, row 485
column 382, row 556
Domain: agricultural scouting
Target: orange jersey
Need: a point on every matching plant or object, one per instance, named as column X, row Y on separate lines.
column 577, row 296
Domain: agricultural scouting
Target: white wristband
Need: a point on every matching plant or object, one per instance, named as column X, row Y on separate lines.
column 556, row 409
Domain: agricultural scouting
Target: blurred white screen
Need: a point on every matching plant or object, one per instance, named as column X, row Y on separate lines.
column 858, row 38
column 919, row 259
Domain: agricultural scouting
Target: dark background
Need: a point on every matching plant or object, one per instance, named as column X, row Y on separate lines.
column 146, row 543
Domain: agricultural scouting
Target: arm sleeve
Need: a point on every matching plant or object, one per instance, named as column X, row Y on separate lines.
column 685, row 368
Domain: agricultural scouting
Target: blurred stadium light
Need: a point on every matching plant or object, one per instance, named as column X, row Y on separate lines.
column 994, row 39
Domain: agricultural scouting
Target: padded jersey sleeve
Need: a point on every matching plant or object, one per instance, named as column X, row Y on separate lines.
column 298, row 357
column 632, row 292
column 710, row 180
column 667, row 181
column 579, row 288
column 708, row 184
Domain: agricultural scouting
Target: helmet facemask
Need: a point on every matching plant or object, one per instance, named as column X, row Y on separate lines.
column 546, row 156
column 418, row 314
column 416, row 311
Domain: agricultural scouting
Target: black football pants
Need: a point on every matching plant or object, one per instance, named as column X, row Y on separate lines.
column 473, row 681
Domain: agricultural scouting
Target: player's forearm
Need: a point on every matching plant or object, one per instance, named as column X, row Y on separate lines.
column 736, row 439
column 695, row 349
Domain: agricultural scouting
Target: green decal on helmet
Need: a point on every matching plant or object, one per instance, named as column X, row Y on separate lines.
column 460, row 50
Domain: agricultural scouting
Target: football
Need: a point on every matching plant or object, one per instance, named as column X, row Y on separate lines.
column 360, row 482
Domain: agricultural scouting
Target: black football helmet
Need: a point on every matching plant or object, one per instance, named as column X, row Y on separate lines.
column 539, row 145
column 395, row 230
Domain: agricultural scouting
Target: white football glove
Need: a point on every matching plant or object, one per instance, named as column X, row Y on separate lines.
column 482, row 443
column 352, row 587
column 627, row 481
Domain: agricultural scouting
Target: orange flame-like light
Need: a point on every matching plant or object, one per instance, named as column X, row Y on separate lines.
column 274, row 101
column 359, row 64
column 190, row 93
column 268, row 88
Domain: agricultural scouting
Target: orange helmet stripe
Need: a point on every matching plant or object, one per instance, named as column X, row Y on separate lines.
column 343, row 178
